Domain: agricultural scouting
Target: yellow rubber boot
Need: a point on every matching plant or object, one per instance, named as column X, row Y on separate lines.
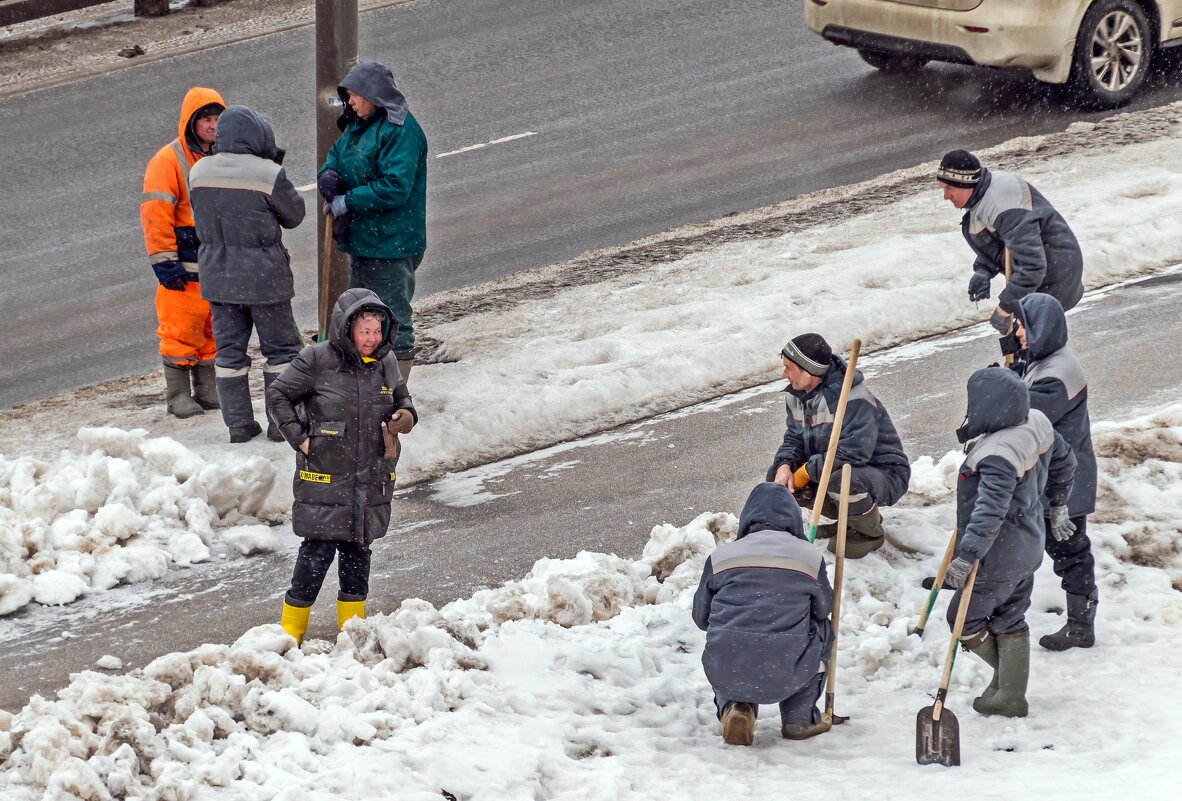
column 294, row 620
column 348, row 609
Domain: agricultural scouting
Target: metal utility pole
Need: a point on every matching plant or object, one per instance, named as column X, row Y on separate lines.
column 336, row 54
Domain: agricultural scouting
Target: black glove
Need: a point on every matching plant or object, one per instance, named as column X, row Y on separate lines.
column 1000, row 321
column 327, row 183
column 979, row 285
column 958, row 571
column 928, row 582
column 1060, row 525
column 171, row 275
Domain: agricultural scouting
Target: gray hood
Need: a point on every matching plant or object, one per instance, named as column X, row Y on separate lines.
column 244, row 130
column 375, row 83
column 349, row 305
column 997, row 399
column 770, row 507
column 1045, row 322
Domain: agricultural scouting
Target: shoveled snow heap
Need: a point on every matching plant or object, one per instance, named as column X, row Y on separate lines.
column 122, row 509
column 582, row 680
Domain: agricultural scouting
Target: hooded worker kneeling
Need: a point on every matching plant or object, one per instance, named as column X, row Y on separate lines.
column 765, row 602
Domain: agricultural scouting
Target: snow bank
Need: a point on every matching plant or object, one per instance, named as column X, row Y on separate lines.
column 583, row 680
column 121, row 508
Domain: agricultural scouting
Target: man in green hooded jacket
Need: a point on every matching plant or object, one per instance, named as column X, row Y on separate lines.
column 374, row 182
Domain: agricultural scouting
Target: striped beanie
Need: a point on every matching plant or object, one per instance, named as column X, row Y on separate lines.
column 809, row 352
column 959, row 168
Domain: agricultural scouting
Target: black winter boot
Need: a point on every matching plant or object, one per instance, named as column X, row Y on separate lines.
column 1079, row 631
column 176, row 393
column 1013, row 674
column 864, row 536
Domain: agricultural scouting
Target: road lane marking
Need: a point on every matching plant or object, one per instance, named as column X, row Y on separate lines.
column 501, row 140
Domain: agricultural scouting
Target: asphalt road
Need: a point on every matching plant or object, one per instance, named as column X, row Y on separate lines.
column 645, row 115
column 602, row 494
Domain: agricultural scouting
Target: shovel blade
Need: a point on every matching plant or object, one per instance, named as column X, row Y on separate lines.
column 937, row 742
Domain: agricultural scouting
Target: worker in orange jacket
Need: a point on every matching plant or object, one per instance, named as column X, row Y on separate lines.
column 185, row 326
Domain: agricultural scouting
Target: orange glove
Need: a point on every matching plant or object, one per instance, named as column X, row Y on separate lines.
column 800, row 478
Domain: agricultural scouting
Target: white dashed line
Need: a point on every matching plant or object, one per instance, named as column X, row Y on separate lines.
column 502, row 139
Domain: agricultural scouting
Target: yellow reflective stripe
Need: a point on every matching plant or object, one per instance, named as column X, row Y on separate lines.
column 319, row 478
column 164, row 255
column 182, row 161
column 393, row 476
column 167, row 197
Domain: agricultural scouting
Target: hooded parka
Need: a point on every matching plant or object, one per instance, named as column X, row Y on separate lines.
column 332, row 397
column 1013, row 458
column 1059, row 390
column 242, row 199
column 764, row 601
column 1005, row 211
column 868, row 437
column 382, row 161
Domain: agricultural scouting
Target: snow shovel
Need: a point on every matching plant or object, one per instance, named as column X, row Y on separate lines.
column 937, row 732
column 936, row 586
column 834, row 435
column 829, row 717
column 1009, row 357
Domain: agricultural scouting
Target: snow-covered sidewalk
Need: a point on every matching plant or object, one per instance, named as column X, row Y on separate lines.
column 576, row 360
column 582, row 681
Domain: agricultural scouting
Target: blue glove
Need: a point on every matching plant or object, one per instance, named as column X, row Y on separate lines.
column 1060, row 524
column 1000, row 321
column 957, row 572
column 328, row 183
column 170, row 274
column 339, row 207
column 979, row 286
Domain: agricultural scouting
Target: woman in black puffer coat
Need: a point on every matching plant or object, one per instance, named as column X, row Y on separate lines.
column 341, row 404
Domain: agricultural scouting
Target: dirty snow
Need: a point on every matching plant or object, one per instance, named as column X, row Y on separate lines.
column 583, row 680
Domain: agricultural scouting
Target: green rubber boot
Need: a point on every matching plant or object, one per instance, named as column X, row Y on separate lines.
column 865, row 534
column 985, row 647
column 1013, row 673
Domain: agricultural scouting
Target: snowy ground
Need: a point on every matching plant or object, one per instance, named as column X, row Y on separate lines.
column 582, row 680
column 512, row 377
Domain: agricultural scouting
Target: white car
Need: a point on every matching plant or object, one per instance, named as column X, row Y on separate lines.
column 1100, row 48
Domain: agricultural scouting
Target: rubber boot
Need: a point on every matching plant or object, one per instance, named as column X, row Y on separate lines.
column 273, row 432
column 865, row 535
column 176, row 392
column 827, row 530
column 984, row 646
column 1079, row 631
column 738, row 723
column 237, row 412
column 405, row 362
column 1013, row 673
column 294, row 620
column 205, row 388
column 348, row 609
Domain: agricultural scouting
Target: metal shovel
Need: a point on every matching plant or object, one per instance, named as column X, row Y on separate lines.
column 937, row 732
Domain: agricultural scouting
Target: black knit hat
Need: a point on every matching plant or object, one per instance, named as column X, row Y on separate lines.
column 809, row 352
column 959, row 168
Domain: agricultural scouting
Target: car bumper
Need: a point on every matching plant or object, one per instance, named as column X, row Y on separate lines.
column 1017, row 33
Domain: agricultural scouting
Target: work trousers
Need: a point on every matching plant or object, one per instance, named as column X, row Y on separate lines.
column 393, row 281
column 311, row 566
column 184, row 326
column 1073, row 561
column 999, row 606
column 799, row 709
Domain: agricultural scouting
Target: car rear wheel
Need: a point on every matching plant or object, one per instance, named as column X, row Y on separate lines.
column 895, row 63
column 1112, row 53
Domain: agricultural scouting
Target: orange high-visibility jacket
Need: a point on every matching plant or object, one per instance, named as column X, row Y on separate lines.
column 165, row 205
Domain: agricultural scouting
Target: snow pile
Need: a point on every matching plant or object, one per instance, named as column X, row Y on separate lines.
column 583, row 680
column 120, row 510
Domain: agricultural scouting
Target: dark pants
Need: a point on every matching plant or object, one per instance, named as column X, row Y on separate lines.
column 1073, row 560
column 999, row 606
column 393, row 281
column 312, row 563
column 799, row 709
column 868, row 486
column 279, row 336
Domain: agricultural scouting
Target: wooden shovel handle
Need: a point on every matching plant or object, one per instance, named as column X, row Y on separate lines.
column 323, row 274
column 961, row 612
column 838, row 577
column 835, row 434
column 1009, row 358
column 941, row 571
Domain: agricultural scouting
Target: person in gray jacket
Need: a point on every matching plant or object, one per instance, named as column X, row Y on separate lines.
column 765, row 602
column 1013, row 460
column 242, row 200
column 341, row 405
column 1003, row 211
column 1059, row 390
column 869, row 443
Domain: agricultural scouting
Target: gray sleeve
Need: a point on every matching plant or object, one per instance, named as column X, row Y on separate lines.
column 1019, row 229
column 995, row 491
column 286, row 202
column 1061, row 473
column 791, row 450
column 704, row 597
